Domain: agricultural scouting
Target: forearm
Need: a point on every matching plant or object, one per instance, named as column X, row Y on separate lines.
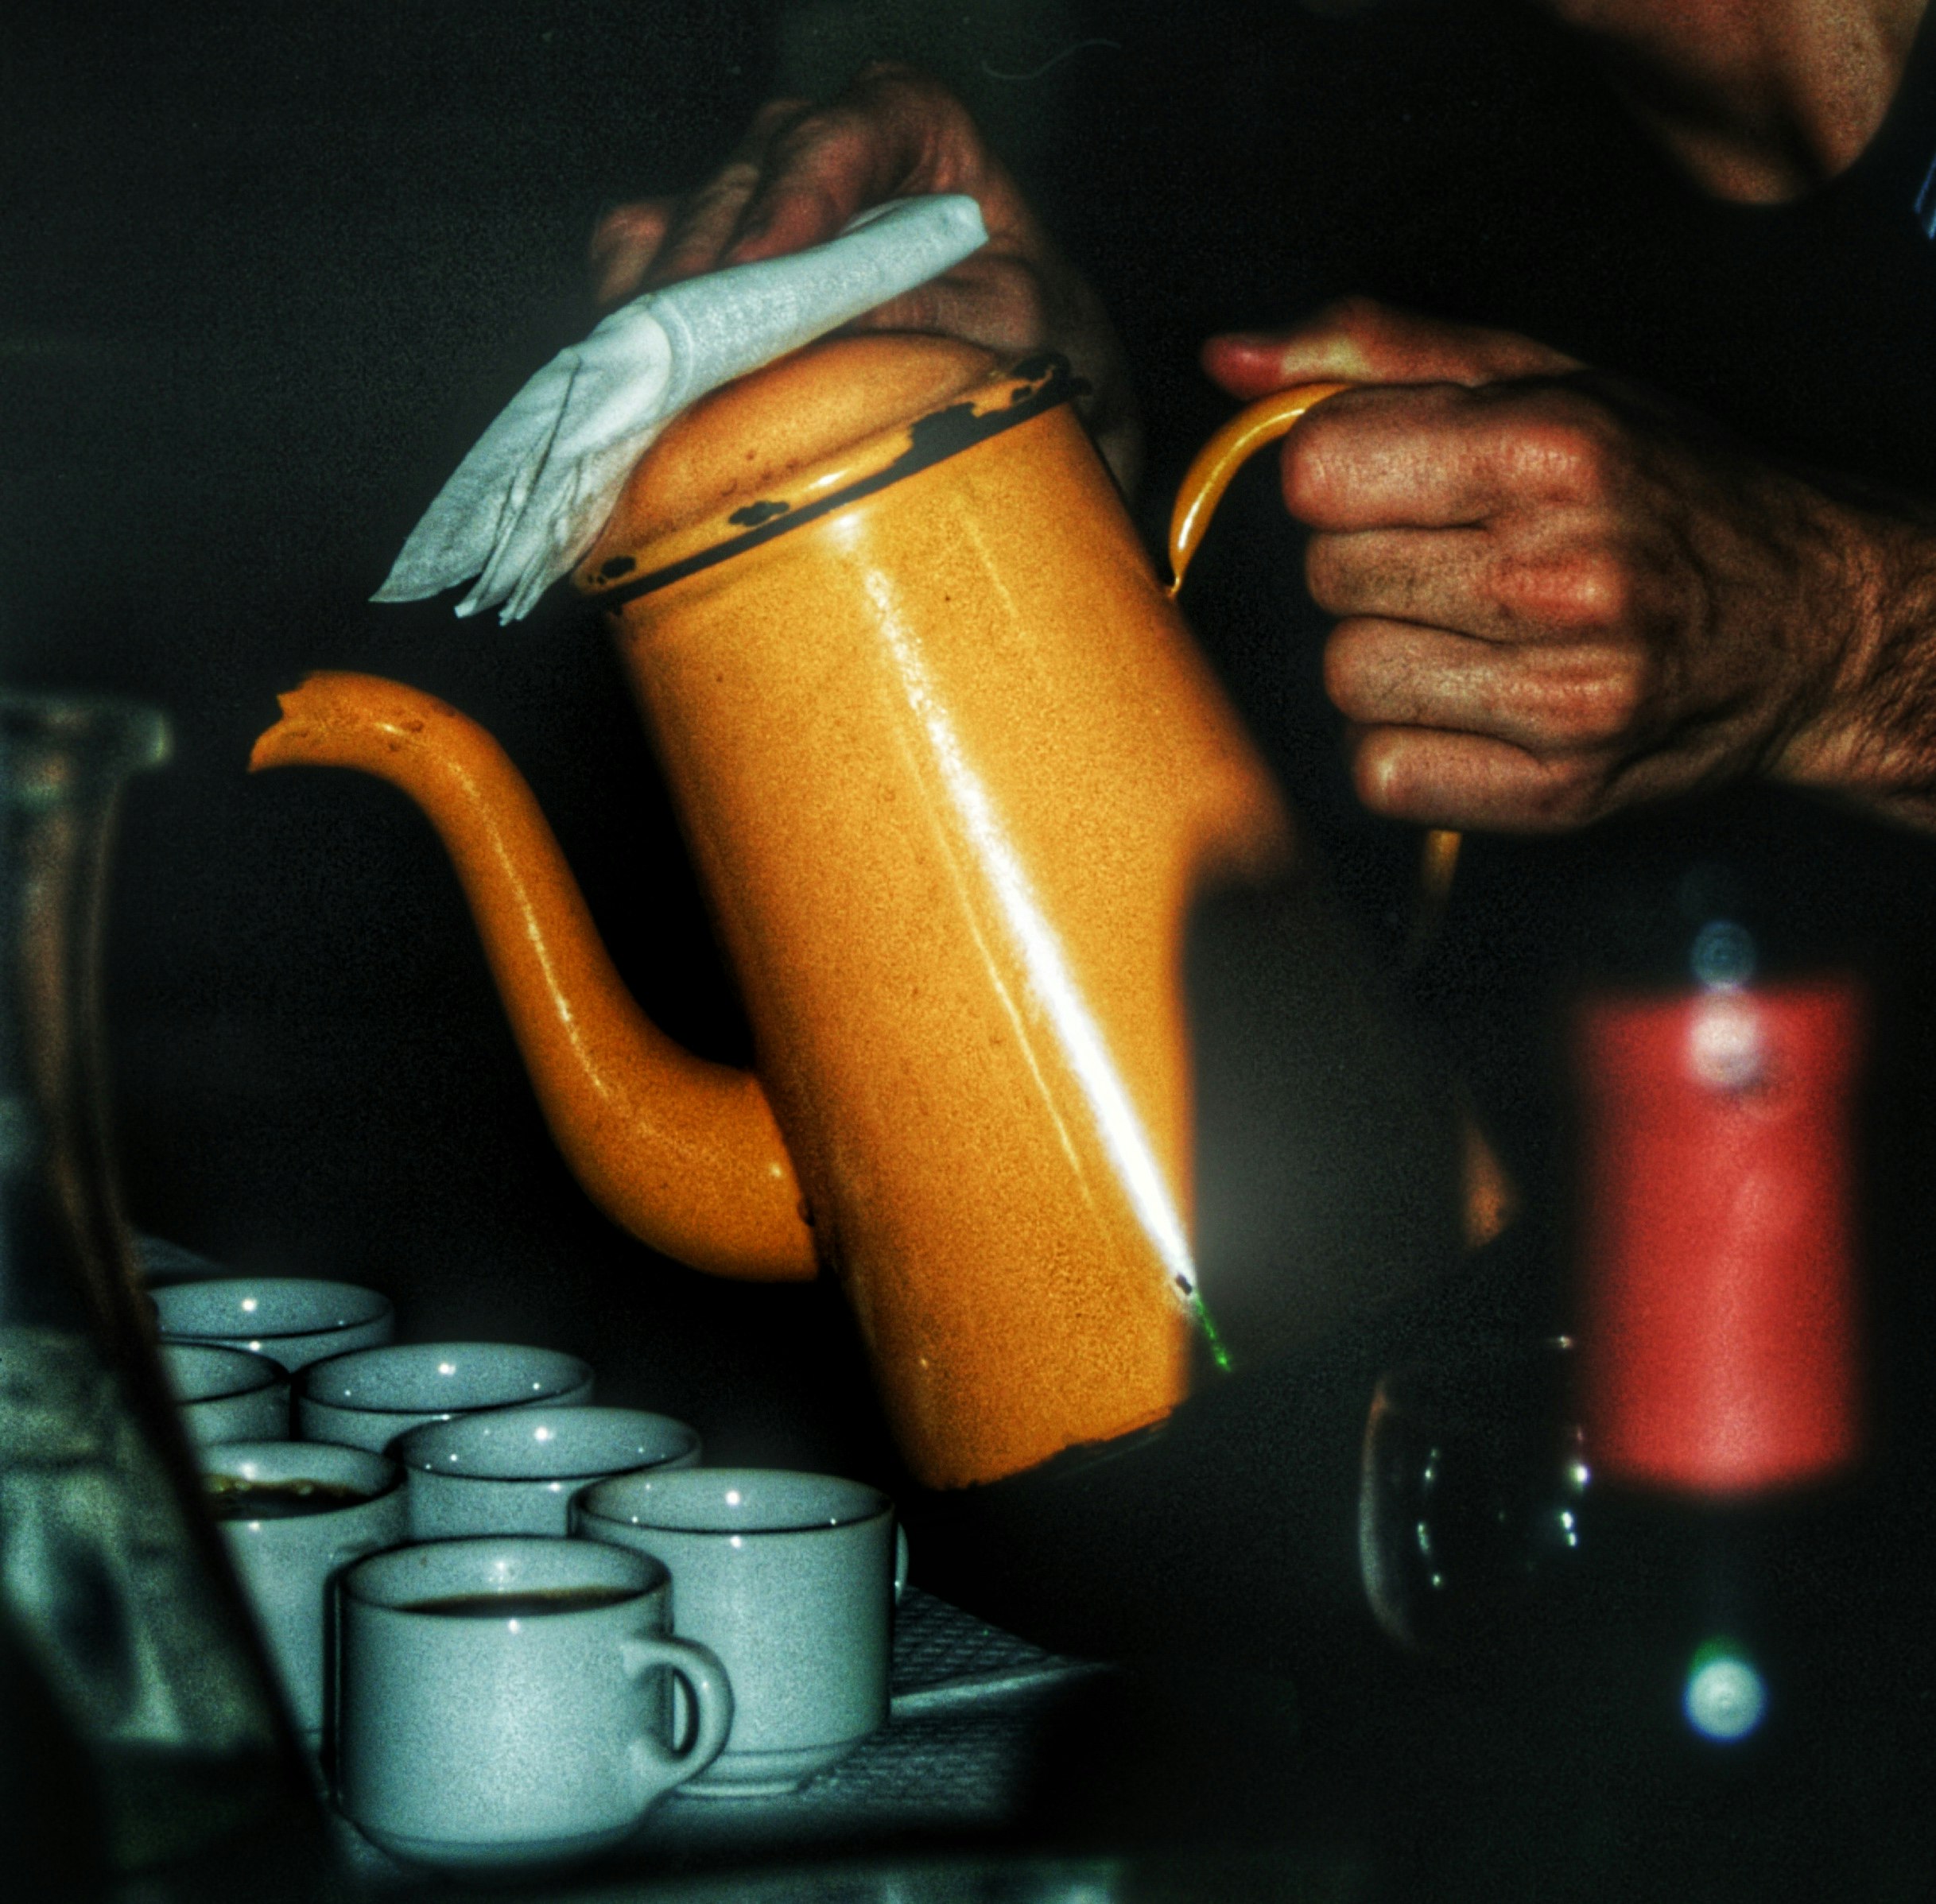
column 1871, row 740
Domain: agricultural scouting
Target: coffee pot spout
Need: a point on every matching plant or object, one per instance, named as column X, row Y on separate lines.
column 684, row 1154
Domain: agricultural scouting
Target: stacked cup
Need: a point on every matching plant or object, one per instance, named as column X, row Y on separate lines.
column 515, row 1620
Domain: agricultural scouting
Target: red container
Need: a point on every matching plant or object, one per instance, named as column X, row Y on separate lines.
column 1718, row 1322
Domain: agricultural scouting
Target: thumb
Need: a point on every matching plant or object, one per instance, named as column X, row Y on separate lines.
column 1360, row 341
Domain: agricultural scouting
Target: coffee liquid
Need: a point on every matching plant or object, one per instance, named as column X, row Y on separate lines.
column 524, row 1606
column 232, row 1498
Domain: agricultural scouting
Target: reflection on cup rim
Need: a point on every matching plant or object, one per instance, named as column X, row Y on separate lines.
column 684, row 1492
column 583, row 1423
column 567, row 1372
column 359, row 1306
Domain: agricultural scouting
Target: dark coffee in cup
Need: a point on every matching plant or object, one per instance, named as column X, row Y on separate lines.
column 525, row 1605
column 232, row 1497
column 292, row 1516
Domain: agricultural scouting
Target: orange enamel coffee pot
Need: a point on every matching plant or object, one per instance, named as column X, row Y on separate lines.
column 954, row 774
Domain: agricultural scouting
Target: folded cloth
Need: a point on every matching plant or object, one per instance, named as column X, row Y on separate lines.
column 535, row 489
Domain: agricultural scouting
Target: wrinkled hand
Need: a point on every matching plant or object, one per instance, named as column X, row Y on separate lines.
column 1559, row 596
column 802, row 171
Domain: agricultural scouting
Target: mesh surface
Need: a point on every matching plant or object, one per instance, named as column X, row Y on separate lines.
column 935, row 1643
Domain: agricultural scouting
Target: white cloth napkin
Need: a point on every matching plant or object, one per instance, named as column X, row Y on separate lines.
column 534, row 491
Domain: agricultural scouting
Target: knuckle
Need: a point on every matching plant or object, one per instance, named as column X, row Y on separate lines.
column 1584, row 591
column 1567, row 459
column 734, row 181
column 726, row 188
column 1594, row 588
column 809, row 210
column 640, row 217
column 1568, row 445
column 1591, row 710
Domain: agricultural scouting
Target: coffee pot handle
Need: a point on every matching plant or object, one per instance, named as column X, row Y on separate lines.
column 1489, row 1198
column 1217, row 462
column 1208, row 475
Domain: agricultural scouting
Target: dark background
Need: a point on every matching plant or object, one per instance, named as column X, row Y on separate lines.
column 265, row 273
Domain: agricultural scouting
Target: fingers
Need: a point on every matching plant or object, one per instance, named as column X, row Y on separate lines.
column 1550, row 698
column 817, row 173
column 997, row 302
column 1442, row 577
column 1470, row 539
column 1473, row 782
column 1538, row 575
column 1558, row 594
column 891, row 134
column 1358, row 341
column 1390, row 459
column 624, row 243
column 802, row 171
column 1441, row 456
column 706, row 223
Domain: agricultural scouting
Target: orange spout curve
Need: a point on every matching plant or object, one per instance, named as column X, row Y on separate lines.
column 684, row 1154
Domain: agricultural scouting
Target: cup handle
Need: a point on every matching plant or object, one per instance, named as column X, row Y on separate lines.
column 900, row 1562
column 708, row 1693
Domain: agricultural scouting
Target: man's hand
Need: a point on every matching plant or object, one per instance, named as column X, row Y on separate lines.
column 802, row 171
column 1559, row 596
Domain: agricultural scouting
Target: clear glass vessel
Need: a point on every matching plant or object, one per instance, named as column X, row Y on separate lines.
column 112, row 1585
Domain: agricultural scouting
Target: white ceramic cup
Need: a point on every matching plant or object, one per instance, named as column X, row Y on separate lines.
column 367, row 1399
column 485, row 1720
column 790, row 1578
column 316, row 1508
column 293, row 1320
column 227, row 1394
column 515, row 1471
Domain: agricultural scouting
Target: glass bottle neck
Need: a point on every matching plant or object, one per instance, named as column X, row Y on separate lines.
column 62, row 766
